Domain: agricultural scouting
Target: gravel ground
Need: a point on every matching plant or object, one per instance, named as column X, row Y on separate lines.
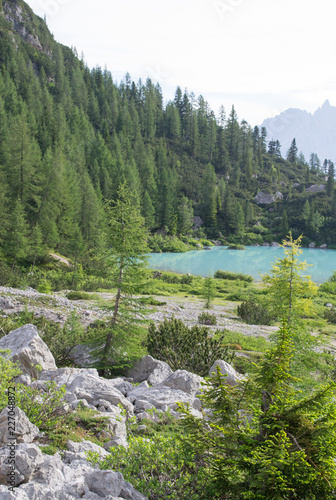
column 57, row 307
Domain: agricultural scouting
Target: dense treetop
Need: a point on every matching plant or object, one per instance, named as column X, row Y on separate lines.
column 70, row 136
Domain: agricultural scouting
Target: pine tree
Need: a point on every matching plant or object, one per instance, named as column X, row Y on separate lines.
column 16, row 244
column 292, row 153
column 208, row 291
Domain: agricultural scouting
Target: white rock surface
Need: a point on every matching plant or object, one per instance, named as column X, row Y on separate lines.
column 232, row 376
column 46, row 477
column 25, row 431
column 150, row 369
column 28, row 349
column 85, row 383
column 184, row 381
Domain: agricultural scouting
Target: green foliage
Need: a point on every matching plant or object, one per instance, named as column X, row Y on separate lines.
column 170, row 470
column 44, row 286
column 229, row 275
column 289, row 293
column 157, row 243
column 273, row 440
column 80, row 296
column 208, row 291
column 42, row 407
column 330, row 315
column 254, row 313
column 8, row 370
column 173, row 342
column 207, row 319
column 236, row 247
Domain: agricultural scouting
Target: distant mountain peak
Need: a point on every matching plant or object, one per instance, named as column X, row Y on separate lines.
column 314, row 133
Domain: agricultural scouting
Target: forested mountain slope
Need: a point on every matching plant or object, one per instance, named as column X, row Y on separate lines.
column 69, row 136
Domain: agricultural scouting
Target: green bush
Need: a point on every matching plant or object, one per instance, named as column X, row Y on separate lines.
column 254, row 313
column 184, row 348
column 80, row 296
column 236, row 246
column 207, row 319
column 44, row 406
column 8, row 370
column 206, row 243
column 169, row 469
column 44, row 286
column 157, row 243
column 228, row 275
column 330, row 315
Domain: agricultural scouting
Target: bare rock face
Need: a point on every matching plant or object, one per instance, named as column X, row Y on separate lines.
column 81, row 383
column 315, row 188
column 184, row 381
column 232, row 376
column 25, row 431
column 264, row 198
column 41, row 476
column 150, row 369
column 28, row 349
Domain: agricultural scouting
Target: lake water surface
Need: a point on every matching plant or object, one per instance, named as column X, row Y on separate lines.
column 253, row 261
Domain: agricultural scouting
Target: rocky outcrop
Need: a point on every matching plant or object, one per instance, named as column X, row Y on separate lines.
column 150, row 369
column 81, row 383
column 28, row 349
column 24, row 432
column 42, row 476
column 231, row 376
column 182, row 380
column 264, row 198
column 315, row 188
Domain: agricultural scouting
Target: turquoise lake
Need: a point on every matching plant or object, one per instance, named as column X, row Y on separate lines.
column 253, row 261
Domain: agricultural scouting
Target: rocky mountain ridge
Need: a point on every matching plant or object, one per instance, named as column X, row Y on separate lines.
column 314, row 132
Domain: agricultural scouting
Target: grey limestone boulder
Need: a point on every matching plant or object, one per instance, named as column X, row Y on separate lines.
column 312, row 245
column 28, row 349
column 6, row 303
column 85, row 384
column 105, row 482
column 264, row 198
column 184, row 381
column 232, row 376
column 78, row 451
column 81, row 355
column 28, row 458
column 324, row 246
column 275, row 244
column 279, row 195
column 25, row 431
column 316, row 188
column 150, row 369
column 163, row 398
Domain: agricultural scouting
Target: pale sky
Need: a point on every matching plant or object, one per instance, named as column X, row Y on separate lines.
column 263, row 56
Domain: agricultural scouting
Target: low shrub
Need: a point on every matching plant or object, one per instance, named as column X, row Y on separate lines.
column 254, row 313
column 186, row 348
column 80, row 296
column 206, row 243
column 152, row 302
column 207, row 319
column 229, row 275
column 330, row 315
column 236, row 246
column 170, row 469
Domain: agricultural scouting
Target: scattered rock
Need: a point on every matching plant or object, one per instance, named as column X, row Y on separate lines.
column 6, row 303
column 275, row 244
column 78, row 451
column 28, row 349
column 81, row 356
column 312, row 245
column 150, row 369
column 278, row 195
column 25, row 431
column 324, row 246
column 265, row 244
column 232, row 378
column 315, row 188
column 264, row 198
column 184, row 381
column 28, row 458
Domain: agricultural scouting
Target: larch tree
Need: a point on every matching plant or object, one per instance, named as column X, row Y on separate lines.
column 127, row 238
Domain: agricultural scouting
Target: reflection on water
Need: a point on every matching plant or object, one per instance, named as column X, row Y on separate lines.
column 253, row 260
